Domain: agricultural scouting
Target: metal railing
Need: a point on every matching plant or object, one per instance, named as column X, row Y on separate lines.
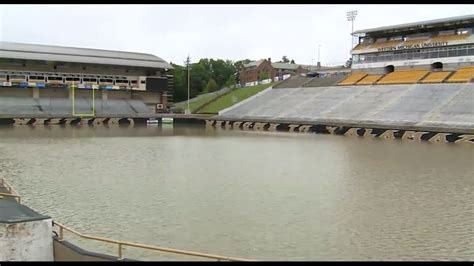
column 120, row 245
column 11, row 191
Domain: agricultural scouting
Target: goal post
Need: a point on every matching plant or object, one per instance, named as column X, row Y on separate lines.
column 73, row 87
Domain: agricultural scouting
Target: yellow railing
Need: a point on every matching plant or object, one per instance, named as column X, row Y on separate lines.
column 120, row 245
column 11, row 191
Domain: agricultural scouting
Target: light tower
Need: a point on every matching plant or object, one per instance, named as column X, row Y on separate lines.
column 351, row 16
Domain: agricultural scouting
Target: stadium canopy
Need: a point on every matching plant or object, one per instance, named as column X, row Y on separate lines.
column 458, row 21
column 25, row 51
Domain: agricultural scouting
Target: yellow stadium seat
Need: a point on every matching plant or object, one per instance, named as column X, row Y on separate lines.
column 403, row 77
column 436, row 77
column 464, row 74
column 416, row 41
column 445, row 38
column 387, row 43
column 353, row 78
column 369, row 80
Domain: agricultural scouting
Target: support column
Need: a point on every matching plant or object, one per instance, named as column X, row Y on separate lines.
column 35, row 93
column 105, row 95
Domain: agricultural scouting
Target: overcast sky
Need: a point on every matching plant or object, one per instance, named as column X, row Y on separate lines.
column 214, row 31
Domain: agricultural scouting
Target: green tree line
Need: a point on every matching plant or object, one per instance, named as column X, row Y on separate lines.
column 207, row 75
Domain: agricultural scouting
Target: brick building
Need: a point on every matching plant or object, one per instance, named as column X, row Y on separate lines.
column 253, row 72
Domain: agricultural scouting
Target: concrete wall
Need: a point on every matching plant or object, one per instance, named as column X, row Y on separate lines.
column 118, row 94
column 26, row 241
column 16, row 92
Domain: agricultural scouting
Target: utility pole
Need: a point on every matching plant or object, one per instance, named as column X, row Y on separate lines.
column 188, row 65
column 351, row 16
column 319, row 56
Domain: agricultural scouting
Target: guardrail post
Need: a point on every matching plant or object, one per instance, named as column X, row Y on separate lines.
column 61, row 233
column 120, row 257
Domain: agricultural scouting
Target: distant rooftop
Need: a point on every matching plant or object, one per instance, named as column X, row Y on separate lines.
column 79, row 55
column 421, row 24
column 277, row 65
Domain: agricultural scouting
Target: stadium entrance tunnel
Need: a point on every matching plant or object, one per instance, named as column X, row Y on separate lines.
column 437, row 66
column 389, row 69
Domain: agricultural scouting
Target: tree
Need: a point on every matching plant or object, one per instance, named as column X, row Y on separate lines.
column 222, row 73
column 292, row 61
column 232, row 80
column 284, row 59
column 180, row 91
column 211, row 86
column 221, row 70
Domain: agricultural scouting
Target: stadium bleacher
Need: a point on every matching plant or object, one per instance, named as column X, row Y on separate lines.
column 292, row 82
column 353, row 78
column 325, row 81
column 60, row 106
column 403, row 77
column 464, row 74
column 433, row 104
column 369, row 79
column 452, row 37
column 436, row 77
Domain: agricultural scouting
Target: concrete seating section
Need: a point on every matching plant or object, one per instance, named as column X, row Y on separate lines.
column 436, row 77
column 387, row 43
column 410, row 104
column 353, row 78
column 369, row 80
column 415, row 41
column 292, row 82
column 63, row 106
column 460, row 110
column 445, row 38
column 418, row 103
column 325, row 81
column 403, row 77
column 464, row 74
column 19, row 105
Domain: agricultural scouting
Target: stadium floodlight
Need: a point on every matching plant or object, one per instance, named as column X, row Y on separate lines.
column 351, row 16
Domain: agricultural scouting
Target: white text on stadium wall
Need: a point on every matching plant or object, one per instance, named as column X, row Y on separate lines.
column 413, row 46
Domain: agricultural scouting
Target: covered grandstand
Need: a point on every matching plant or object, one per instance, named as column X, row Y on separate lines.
column 54, row 79
column 446, row 43
column 430, row 89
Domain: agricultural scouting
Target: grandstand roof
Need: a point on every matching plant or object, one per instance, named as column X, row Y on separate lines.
column 79, row 55
column 253, row 63
column 278, row 65
column 419, row 25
